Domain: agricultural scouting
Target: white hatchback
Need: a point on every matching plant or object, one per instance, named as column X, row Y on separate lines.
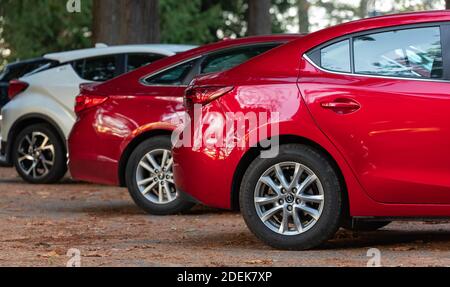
column 37, row 121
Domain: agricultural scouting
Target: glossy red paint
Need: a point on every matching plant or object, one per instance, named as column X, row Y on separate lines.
column 388, row 137
column 104, row 135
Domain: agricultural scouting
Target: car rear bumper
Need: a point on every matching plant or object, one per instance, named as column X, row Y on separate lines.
column 5, row 160
column 90, row 157
column 206, row 174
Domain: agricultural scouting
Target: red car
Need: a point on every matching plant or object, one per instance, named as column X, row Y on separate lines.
column 122, row 135
column 363, row 117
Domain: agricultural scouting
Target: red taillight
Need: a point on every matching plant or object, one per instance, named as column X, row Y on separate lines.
column 16, row 87
column 84, row 102
column 205, row 95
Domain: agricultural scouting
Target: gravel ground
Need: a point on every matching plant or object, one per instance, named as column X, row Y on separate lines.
column 39, row 224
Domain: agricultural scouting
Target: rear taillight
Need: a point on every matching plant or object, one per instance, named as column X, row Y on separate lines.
column 16, row 87
column 84, row 102
column 205, row 95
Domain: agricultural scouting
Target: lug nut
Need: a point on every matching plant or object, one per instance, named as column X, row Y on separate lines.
column 298, row 201
column 290, row 208
column 281, row 202
column 294, row 190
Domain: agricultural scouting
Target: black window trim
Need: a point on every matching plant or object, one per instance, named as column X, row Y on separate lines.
column 200, row 58
column 313, row 55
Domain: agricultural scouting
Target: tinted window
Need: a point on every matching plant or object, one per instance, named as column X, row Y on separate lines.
column 98, row 69
column 231, row 58
column 413, row 53
column 336, row 57
column 173, row 76
column 135, row 61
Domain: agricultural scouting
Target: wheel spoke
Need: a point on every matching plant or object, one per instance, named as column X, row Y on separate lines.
column 280, row 175
column 44, row 143
column 145, row 181
column 271, row 212
column 306, row 183
column 26, row 157
column 28, row 139
column 168, row 192
column 311, row 198
column 297, row 174
column 160, row 193
column 309, row 210
column 266, row 200
column 150, row 187
column 297, row 221
column 270, row 183
column 153, row 162
column 48, row 147
column 284, row 226
column 164, row 158
column 169, row 164
column 147, row 167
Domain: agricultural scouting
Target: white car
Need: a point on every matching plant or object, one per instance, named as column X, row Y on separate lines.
column 37, row 121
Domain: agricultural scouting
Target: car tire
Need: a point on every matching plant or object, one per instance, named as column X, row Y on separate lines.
column 137, row 171
column 326, row 189
column 39, row 155
column 359, row 225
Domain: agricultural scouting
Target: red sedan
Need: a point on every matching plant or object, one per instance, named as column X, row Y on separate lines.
column 361, row 114
column 122, row 135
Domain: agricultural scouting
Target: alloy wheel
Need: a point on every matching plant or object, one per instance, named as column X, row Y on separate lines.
column 36, row 155
column 154, row 177
column 289, row 198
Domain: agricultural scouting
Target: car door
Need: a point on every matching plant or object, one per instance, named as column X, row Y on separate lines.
column 383, row 99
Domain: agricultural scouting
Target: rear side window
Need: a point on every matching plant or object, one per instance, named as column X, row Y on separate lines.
column 212, row 63
column 173, row 76
column 403, row 53
column 98, row 69
column 415, row 53
column 336, row 57
column 231, row 58
column 135, row 61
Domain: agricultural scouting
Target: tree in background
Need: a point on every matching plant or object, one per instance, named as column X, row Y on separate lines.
column 32, row 28
column 303, row 16
column 126, row 21
column 259, row 18
column 196, row 21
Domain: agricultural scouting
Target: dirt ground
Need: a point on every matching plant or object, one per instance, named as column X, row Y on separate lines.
column 39, row 224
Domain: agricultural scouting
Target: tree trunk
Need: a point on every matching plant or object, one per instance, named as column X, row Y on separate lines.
column 118, row 22
column 303, row 16
column 259, row 18
column 447, row 4
column 363, row 11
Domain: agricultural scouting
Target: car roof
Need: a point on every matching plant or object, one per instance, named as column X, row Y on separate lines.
column 163, row 49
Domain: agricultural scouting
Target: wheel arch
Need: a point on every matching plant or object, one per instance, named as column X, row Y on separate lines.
column 132, row 145
column 253, row 153
column 32, row 119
